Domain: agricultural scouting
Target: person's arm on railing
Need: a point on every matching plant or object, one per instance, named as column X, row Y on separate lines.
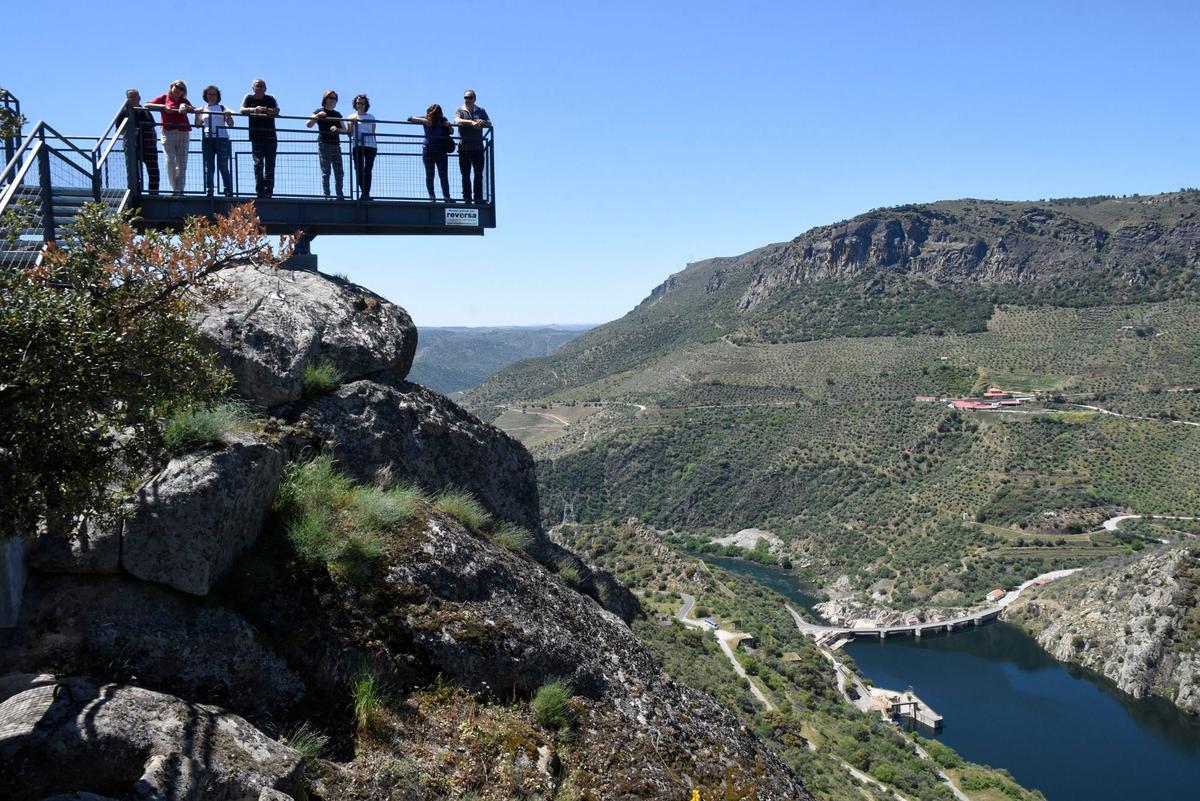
column 320, row 115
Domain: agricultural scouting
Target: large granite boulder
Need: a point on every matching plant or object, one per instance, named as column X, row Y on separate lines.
column 273, row 323
column 415, row 434
column 120, row 626
column 193, row 519
column 64, row 736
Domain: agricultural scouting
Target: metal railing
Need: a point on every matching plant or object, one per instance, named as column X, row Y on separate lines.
column 48, row 176
column 398, row 172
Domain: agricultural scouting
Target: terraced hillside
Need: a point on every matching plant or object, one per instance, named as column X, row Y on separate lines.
column 732, row 396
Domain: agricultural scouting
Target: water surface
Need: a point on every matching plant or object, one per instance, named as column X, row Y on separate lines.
column 1065, row 731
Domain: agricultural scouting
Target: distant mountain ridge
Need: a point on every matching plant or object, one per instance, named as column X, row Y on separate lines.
column 916, row 269
column 455, row 358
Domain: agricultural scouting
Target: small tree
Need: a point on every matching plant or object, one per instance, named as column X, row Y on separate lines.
column 96, row 342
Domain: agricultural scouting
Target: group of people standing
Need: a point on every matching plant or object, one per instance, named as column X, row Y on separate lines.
column 215, row 120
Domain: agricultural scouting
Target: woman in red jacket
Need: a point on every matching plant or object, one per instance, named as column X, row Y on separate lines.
column 176, row 132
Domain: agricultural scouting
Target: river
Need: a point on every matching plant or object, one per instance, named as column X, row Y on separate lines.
column 1007, row 703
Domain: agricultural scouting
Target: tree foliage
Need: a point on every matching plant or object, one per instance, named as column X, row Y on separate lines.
column 96, row 344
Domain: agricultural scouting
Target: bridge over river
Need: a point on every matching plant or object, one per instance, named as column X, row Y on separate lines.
column 883, row 631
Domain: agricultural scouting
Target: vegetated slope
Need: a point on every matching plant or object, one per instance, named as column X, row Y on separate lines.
column 821, row 440
column 453, row 359
column 812, row 727
column 1137, row 621
column 932, row 268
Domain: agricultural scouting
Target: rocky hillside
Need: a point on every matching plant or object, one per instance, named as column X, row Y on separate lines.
column 395, row 627
column 1136, row 621
column 919, row 269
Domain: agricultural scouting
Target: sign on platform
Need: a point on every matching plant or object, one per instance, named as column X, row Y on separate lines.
column 462, row 217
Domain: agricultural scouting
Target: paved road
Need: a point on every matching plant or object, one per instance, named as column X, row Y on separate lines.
column 816, row 630
column 1111, row 413
column 1112, row 523
column 728, row 640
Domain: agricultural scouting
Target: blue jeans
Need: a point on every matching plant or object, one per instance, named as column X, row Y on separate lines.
column 218, row 151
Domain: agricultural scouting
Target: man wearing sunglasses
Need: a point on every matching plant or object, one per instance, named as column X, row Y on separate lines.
column 471, row 120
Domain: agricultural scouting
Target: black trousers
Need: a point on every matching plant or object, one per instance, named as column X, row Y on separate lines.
column 364, row 162
column 263, row 151
column 469, row 160
column 437, row 158
column 150, row 159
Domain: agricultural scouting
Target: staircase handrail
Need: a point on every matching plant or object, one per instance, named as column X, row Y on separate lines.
column 19, row 175
column 103, row 157
column 84, row 154
column 120, row 115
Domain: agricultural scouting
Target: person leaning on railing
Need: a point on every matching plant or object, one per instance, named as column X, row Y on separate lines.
column 176, row 131
column 264, row 143
column 362, row 136
column 147, row 150
column 215, row 120
column 329, row 123
column 471, row 120
column 435, row 151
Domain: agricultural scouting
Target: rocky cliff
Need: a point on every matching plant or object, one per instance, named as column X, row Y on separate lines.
column 197, row 648
column 980, row 243
column 1136, row 621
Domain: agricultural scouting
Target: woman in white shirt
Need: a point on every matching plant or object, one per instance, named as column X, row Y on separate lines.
column 215, row 120
column 362, row 136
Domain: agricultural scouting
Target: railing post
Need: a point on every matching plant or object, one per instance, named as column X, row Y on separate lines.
column 95, row 179
column 491, row 167
column 13, row 107
column 48, row 233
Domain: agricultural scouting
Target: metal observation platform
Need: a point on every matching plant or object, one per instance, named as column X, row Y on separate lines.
column 50, row 176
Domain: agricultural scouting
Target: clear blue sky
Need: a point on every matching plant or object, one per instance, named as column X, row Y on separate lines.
column 634, row 137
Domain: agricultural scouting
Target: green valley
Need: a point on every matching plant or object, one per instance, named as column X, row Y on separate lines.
column 801, row 388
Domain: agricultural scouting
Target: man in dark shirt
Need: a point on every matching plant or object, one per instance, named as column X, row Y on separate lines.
column 471, row 120
column 262, row 109
column 143, row 136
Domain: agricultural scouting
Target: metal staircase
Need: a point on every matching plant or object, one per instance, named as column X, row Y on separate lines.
column 47, row 180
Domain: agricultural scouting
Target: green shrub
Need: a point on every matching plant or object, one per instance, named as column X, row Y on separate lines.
column 514, row 537
column 370, row 704
column 319, row 378
column 463, row 507
column 197, row 427
column 552, row 706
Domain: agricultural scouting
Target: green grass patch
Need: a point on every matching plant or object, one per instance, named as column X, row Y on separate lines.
column 514, row 537
column 552, row 706
column 330, row 519
column 568, row 568
column 307, row 739
column 370, row 704
column 463, row 507
column 319, row 378
column 204, row 426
